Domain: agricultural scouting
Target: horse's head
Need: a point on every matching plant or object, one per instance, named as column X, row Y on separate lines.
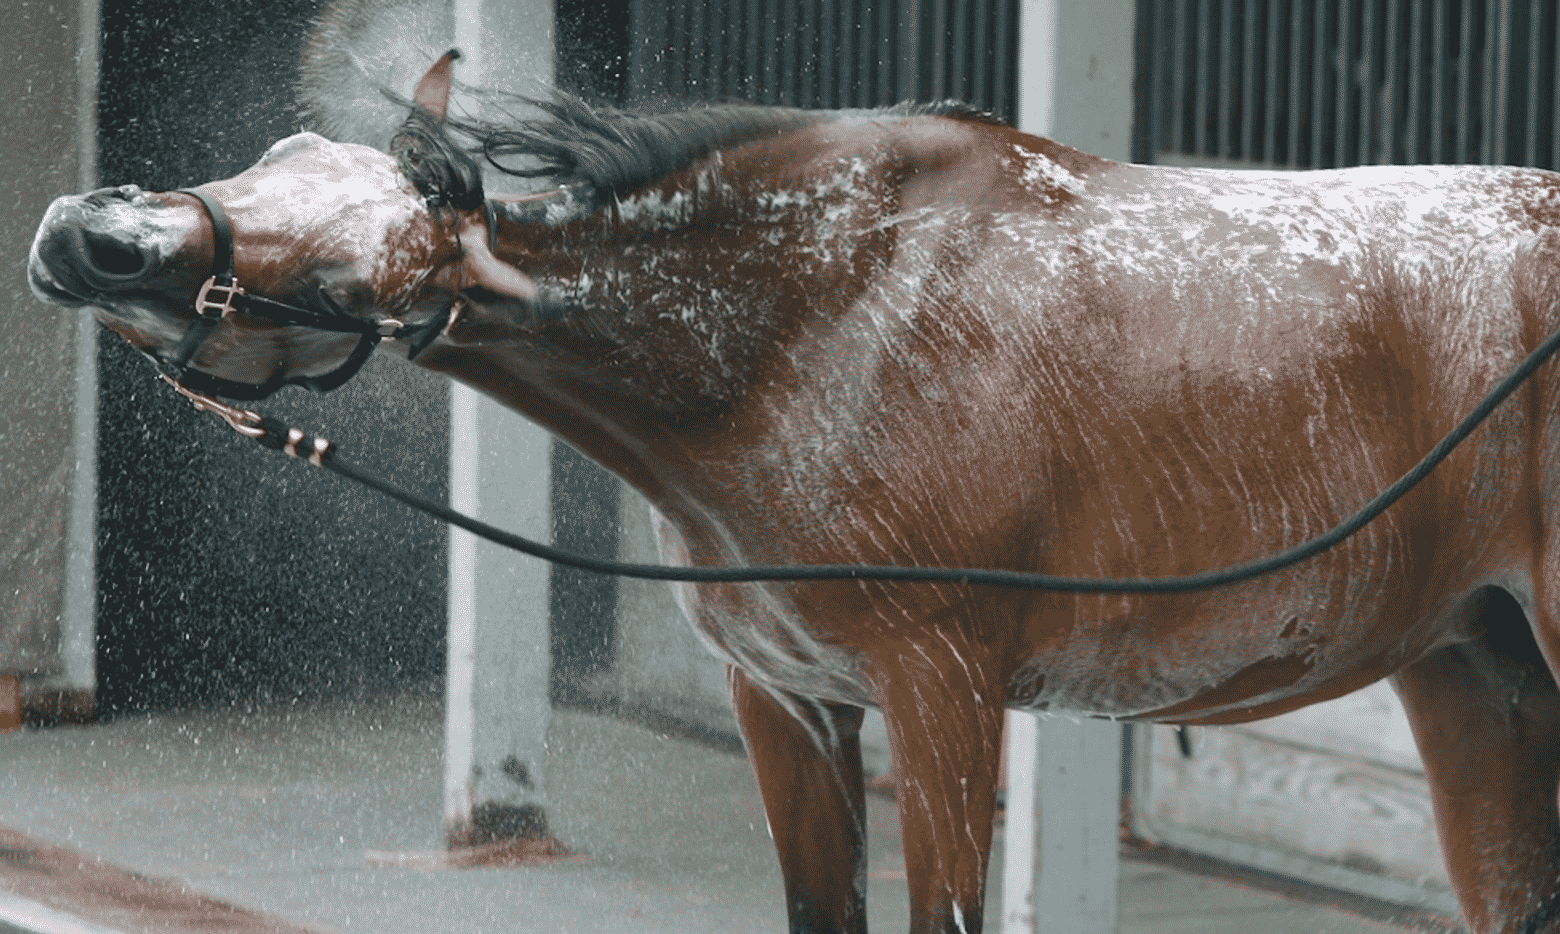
column 336, row 233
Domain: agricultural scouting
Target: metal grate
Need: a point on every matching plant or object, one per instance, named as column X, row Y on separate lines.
column 827, row 53
column 1329, row 83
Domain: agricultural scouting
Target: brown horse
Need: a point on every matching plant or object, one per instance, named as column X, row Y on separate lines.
column 917, row 337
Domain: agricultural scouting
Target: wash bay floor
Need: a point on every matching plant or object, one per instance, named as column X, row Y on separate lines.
column 325, row 817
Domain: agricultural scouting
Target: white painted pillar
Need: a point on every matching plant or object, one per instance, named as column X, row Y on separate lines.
column 1061, row 865
column 48, row 399
column 1060, row 870
column 497, row 707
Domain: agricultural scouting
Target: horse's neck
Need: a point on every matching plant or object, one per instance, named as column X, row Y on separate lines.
column 685, row 294
column 697, row 308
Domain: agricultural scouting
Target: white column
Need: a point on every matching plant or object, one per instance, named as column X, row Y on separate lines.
column 497, row 706
column 1061, row 863
column 78, row 629
column 48, row 399
column 1063, row 811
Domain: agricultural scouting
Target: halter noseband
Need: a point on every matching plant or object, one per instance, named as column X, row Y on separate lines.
column 221, row 295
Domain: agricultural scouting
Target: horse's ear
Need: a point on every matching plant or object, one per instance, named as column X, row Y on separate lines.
column 433, row 91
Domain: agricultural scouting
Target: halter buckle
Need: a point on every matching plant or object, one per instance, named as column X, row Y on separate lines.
column 222, row 305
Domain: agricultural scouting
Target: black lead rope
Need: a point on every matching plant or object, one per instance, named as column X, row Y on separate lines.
column 320, row 452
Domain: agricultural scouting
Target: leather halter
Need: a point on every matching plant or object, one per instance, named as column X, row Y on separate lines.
column 221, row 295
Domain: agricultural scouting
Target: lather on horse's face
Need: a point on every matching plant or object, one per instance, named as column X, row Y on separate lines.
column 310, row 216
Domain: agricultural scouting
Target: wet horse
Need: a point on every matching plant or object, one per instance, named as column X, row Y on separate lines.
column 918, row 337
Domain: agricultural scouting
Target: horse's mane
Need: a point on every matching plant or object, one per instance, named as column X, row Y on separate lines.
column 603, row 153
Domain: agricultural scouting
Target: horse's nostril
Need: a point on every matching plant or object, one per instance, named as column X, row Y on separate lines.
column 113, row 257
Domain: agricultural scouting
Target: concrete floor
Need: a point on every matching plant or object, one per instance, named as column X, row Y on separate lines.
column 295, row 812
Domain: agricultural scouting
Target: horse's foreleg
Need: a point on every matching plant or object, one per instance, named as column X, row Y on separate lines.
column 807, row 760
column 1486, row 718
column 943, row 704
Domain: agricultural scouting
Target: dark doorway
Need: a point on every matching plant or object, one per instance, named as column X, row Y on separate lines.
column 226, row 573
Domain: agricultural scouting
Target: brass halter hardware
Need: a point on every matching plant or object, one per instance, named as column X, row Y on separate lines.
column 244, row 421
column 228, row 291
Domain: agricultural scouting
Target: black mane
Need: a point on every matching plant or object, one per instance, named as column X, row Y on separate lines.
column 601, row 153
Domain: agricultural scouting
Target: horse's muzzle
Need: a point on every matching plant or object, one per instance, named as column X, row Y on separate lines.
column 83, row 251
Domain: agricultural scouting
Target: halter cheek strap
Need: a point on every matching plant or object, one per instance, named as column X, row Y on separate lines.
column 210, row 310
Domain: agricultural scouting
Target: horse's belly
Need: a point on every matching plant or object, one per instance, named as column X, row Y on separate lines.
column 1234, row 664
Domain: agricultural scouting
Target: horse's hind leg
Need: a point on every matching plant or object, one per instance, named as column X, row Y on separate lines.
column 1486, row 718
column 809, row 776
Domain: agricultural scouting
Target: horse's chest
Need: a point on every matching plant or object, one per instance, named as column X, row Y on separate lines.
column 764, row 633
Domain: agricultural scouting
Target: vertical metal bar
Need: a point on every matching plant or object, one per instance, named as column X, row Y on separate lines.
column 1225, row 65
column 1345, row 78
column 931, row 39
column 1319, row 74
column 1392, row 84
column 785, row 41
column 952, row 36
column 1530, row 149
column 886, row 49
column 1001, row 62
column 673, row 66
column 730, row 46
column 1464, row 80
column 983, row 25
column 774, row 53
column 1296, row 65
column 697, row 45
column 882, row 47
column 752, row 33
column 866, row 56
column 736, row 64
column 1178, row 77
column 1554, row 122
column 1437, row 118
column 1245, row 146
column 1411, row 148
column 846, row 24
column 1145, row 47
column 1200, row 79
column 804, row 35
column 1491, row 91
column 1275, row 18
column 650, row 51
column 720, row 29
column 1364, row 152
column 828, row 55
column 1502, row 85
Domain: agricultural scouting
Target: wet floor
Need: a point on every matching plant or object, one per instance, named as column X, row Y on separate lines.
column 325, row 817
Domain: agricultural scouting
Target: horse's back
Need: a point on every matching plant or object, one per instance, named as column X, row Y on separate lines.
column 1198, row 368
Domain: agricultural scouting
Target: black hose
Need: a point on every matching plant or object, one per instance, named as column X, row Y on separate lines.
column 998, row 578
